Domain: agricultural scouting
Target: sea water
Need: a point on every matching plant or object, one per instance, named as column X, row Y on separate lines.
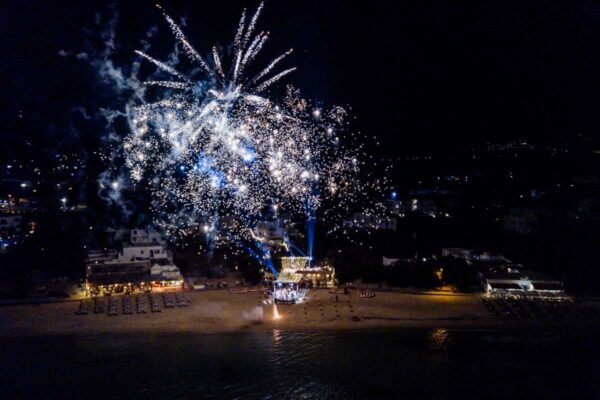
column 427, row 364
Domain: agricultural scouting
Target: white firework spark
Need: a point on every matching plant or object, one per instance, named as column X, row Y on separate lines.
column 218, row 152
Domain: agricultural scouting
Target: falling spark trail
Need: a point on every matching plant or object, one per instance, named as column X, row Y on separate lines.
column 162, row 66
column 272, row 65
column 252, row 24
column 168, row 84
column 274, row 79
column 217, row 60
column 189, row 49
column 240, row 31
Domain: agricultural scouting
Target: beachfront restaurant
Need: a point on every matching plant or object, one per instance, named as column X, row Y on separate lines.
column 297, row 275
column 320, row 275
column 515, row 281
column 114, row 278
column 286, row 289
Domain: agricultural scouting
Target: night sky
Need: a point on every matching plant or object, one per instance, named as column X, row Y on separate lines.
column 420, row 75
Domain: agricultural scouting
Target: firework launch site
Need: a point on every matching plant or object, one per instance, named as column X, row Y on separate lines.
column 222, row 311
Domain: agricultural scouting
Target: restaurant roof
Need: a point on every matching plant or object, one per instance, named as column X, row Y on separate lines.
column 504, row 285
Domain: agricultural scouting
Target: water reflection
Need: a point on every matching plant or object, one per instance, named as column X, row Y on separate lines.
column 276, row 337
column 310, row 365
column 439, row 338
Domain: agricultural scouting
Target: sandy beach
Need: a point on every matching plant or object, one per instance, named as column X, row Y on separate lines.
column 222, row 311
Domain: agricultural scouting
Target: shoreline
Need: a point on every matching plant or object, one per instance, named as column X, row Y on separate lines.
column 220, row 312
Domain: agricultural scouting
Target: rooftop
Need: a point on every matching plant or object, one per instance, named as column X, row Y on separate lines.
column 505, row 286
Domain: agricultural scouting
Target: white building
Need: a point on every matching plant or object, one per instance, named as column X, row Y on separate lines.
column 269, row 232
column 388, row 262
column 457, row 252
column 142, row 263
column 144, row 244
column 145, row 236
column 489, row 257
column 513, row 279
column 142, row 251
column 161, row 270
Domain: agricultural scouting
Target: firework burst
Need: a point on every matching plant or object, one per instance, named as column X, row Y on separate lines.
column 218, row 151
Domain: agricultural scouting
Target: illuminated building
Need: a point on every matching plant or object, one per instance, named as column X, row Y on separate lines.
column 514, row 280
column 270, row 232
column 297, row 276
column 142, row 264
